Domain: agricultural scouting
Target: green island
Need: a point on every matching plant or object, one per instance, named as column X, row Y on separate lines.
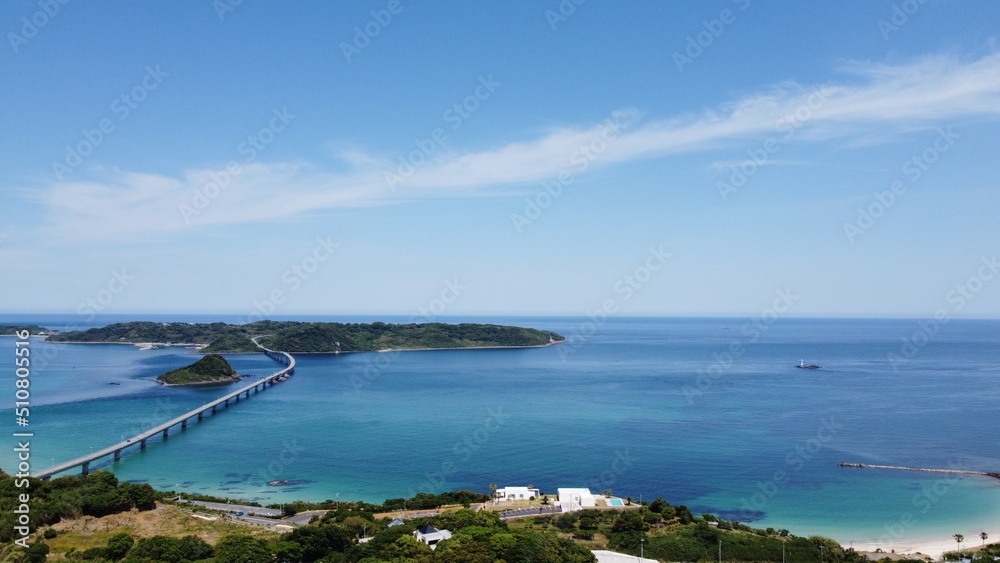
column 97, row 518
column 313, row 337
column 11, row 330
column 213, row 369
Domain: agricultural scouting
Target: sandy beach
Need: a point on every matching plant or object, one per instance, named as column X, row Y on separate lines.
column 933, row 547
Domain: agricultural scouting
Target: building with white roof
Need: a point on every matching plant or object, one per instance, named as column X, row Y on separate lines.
column 604, row 556
column 517, row 493
column 575, row 499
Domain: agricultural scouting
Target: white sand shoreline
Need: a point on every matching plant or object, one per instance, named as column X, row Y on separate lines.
column 934, row 547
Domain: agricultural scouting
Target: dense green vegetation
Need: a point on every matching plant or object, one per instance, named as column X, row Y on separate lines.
column 213, row 368
column 292, row 336
column 984, row 555
column 478, row 538
column 96, row 494
column 10, row 330
column 670, row 533
column 168, row 333
column 665, row 532
column 420, row 501
column 231, row 344
column 331, row 337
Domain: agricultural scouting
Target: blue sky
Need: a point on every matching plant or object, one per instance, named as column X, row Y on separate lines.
column 491, row 158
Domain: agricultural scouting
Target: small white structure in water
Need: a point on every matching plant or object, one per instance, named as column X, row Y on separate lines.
column 517, row 493
column 575, row 499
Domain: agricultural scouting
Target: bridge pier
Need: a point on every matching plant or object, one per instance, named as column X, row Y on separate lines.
column 118, row 455
column 184, row 424
column 85, row 467
column 213, row 408
column 165, row 431
column 142, row 445
column 199, row 415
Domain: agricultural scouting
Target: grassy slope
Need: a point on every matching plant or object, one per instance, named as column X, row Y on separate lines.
column 89, row 531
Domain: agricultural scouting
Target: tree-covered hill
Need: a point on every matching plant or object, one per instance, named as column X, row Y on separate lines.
column 211, row 369
column 10, row 330
column 333, row 337
column 304, row 337
column 143, row 331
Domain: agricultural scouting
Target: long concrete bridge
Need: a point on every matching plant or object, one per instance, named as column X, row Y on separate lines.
column 140, row 439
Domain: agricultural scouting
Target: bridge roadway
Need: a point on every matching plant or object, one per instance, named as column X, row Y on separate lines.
column 182, row 420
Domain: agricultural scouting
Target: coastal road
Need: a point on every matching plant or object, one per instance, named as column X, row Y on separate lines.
column 526, row 512
column 249, row 510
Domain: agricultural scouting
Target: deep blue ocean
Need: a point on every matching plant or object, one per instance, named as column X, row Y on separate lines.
column 707, row 412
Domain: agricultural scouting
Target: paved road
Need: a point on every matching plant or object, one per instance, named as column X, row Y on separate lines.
column 303, row 517
column 261, row 521
column 249, row 510
column 526, row 512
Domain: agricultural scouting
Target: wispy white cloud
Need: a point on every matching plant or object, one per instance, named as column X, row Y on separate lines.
column 726, row 165
column 873, row 99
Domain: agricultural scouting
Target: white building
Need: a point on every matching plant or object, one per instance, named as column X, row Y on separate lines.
column 604, row 556
column 517, row 493
column 431, row 535
column 575, row 499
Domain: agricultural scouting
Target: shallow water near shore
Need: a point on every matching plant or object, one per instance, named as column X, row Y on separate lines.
column 718, row 419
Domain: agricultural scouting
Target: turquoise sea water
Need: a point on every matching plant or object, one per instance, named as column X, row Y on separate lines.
column 645, row 407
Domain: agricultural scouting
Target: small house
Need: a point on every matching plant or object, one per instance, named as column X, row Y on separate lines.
column 575, row 499
column 517, row 493
column 430, row 535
